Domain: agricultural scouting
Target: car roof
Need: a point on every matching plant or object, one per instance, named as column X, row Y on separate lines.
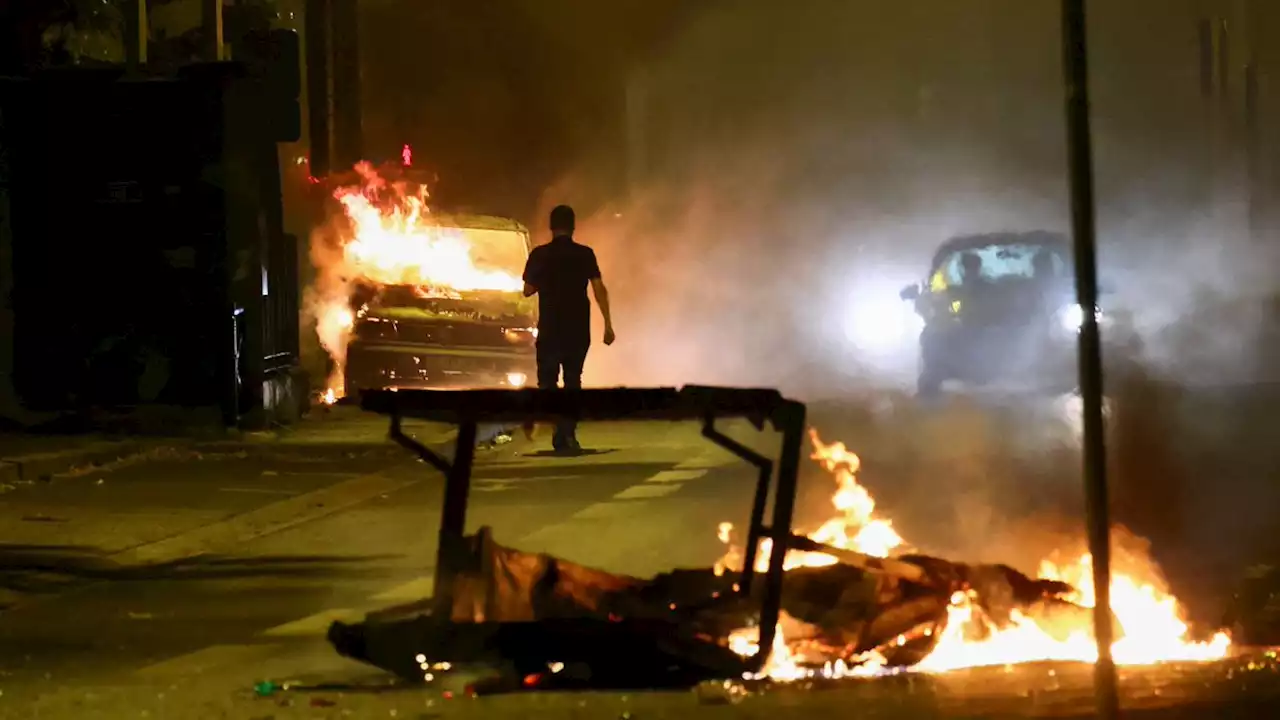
column 960, row 243
column 479, row 222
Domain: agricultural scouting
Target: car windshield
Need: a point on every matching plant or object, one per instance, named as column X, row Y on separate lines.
column 496, row 250
column 998, row 263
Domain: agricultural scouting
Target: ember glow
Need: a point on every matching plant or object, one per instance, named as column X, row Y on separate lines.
column 387, row 235
column 1150, row 619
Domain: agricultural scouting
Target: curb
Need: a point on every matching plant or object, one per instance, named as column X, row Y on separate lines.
column 43, row 466
column 261, row 521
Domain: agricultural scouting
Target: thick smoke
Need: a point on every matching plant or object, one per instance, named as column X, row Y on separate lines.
column 790, row 171
column 789, row 175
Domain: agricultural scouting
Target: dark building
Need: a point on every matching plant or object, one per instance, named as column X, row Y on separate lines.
column 147, row 270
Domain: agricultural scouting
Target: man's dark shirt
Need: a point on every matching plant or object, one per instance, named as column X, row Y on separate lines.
column 561, row 271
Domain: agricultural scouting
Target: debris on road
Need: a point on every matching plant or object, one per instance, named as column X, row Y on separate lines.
column 535, row 611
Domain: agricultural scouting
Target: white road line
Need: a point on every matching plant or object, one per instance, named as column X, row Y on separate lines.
column 675, row 476
column 258, row 491
column 408, row 592
column 213, row 656
column 705, row 461
column 315, row 624
column 645, row 490
column 600, row 511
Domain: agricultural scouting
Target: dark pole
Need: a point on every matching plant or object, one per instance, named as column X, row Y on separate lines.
column 347, row 93
column 1080, row 167
column 319, row 132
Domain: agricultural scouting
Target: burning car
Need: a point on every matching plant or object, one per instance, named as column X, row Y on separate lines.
column 1002, row 306
column 461, row 323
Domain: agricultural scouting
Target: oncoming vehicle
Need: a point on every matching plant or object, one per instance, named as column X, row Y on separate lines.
column 1000, row 307
column 440, row 337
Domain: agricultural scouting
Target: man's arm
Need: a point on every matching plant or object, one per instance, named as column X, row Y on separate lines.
column 601, row 293
column 602, row 299
column 531, row 279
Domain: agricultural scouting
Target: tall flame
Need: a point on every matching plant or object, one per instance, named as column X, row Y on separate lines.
column 1152, row 621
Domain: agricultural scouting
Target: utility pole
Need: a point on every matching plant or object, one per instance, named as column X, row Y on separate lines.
column 319, row 129
column 1083, row 226
column 347, row 95
column 1229, row 86
column 136, row 33
column 211, row 27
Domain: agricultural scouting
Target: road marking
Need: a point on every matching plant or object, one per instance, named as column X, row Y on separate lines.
column 706, row 461
column 645, row 490
column 258, row 491
column 675, row 476
column 207, row 658
column 413, row 590
column 602, row 511
column 315, row 624
column 272, row 518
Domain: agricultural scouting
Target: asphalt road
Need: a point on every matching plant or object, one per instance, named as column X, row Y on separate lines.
column 208, row 628
column 191, row 639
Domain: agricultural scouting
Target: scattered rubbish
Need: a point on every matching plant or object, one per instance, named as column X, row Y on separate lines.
column 265, row 688
column 502, row 439
column 322, row 702
column 6, row 487
column 266, row 473
column 99, row 481
column 140, row 616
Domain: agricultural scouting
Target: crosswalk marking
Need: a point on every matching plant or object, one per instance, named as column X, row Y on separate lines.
column 606, row 511
column 676, row 476
column 408, row 592
column 210, row 657
column 646, row 490
column 628, row 502
column 315, row 624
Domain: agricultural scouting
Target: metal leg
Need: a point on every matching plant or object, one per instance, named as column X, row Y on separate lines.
column 755, row 528
column 422, row 451
column 792, row 419
column 453, row 520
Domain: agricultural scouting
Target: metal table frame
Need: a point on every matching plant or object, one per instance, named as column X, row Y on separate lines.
column 469, row 408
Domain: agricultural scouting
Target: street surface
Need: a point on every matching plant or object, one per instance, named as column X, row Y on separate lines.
column 213, row 625
column 166, row 587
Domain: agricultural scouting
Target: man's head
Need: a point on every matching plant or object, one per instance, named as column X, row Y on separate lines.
column 562, row 220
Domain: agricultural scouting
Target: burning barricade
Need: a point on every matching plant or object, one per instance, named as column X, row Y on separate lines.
column 849, row 607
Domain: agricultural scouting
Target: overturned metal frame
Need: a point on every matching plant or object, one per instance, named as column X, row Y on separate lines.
column 467, row 409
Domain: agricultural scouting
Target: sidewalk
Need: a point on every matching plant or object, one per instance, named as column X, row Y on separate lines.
column 83, row 508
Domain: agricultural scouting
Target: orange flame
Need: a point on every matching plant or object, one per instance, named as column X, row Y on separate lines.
column 390, row 237
column 1151, row 620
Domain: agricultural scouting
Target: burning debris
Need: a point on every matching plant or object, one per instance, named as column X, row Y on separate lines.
column 387, row 235
column 853, row 608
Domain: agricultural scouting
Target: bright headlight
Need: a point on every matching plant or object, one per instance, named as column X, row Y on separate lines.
column 1072, row 317
column 879, row 325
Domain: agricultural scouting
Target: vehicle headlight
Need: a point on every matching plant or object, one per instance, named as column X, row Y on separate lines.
column 1071, row 317
column 879, row 326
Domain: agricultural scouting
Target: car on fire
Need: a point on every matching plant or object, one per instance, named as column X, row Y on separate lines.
column 1002, row 307
column 439, row 337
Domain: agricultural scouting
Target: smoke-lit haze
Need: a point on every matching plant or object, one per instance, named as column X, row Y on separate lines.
column 790, row 173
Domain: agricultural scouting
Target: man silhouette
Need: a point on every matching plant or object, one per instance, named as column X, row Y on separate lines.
column 558, row 273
